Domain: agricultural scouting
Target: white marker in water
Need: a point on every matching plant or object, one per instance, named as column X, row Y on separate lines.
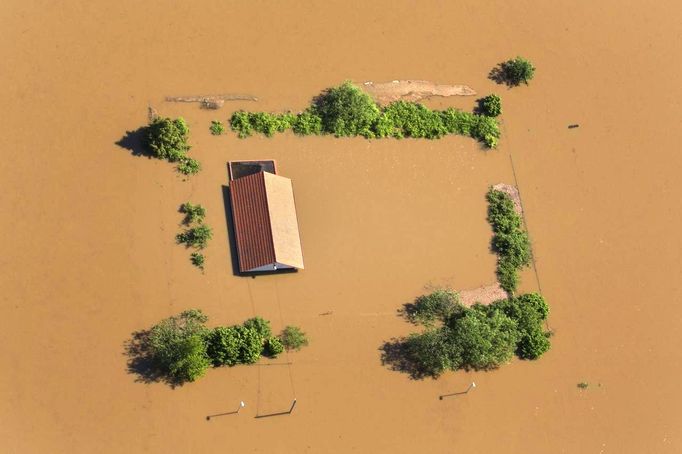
column 241, row 405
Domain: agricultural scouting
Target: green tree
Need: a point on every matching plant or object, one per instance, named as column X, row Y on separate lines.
column 177, row 346
column 273, row 347
column 518, row 70
column 482, row 339
column 261, row 326
column 167, row 138
column 438, row 305
column 346, row 110
column 216, row 127
column 194, row 214
column 293, row 338
column 196, row 237
column 490, row 106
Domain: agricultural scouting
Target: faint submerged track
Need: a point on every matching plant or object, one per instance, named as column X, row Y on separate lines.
column 211, row 101
column 413, row 90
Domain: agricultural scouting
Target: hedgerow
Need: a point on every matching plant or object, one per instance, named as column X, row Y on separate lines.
column 181, row 348
column 347, row 111
column 510, row 241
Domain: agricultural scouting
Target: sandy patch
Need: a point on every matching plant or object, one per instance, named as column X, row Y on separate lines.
column 412, row 90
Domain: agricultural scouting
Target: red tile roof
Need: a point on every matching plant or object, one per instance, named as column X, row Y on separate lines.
column 265, row 224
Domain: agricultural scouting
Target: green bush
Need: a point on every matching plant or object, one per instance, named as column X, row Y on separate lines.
column 490, row 106
column 167, row 138
column 307, row 123
column 346, row 110
column 194, row 214
column 196, row 237
column 408, row 119
column 273, row 347
column 240, row 122
column 198, row 259
column 431, row 352
column 217, row 127
column 510, row 241
column 177, row 346
column 223, row 346
column 528, row 311
column 261, row 326
column 518, row 70
column 438, row 305
column 189, row 166
column 293, row 338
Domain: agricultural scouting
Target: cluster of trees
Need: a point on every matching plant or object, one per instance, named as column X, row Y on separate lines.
column 346, row 110
column 479, row 338
column 197, row 234
column 181, row 348
column 167, row 139
column 510, row 241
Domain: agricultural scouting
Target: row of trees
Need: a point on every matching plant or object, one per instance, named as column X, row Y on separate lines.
column 181, row 348
column 346, row 110
column 510, row 241
column 479, row 338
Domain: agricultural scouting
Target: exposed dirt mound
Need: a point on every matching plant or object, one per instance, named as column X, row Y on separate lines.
column 412, row 90
column 484, row 295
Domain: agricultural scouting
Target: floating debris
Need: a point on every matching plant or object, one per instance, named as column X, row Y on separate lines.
column 573, row 126
column 211, row 101
column 413, row 90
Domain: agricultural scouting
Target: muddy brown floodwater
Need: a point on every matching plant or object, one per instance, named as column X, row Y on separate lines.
column 89, row 256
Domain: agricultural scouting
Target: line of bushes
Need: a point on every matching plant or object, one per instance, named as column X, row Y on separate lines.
column 347, row 111
column 198, row 233
column 167, row 139
column 510, row 241
column 478, row 338
column 181, row 348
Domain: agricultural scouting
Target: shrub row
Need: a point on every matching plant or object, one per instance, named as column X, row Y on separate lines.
column 198, row 233
column 480, row 337
column 346, row 111
column 167, row 139
column 182, row 348
column 510, row 241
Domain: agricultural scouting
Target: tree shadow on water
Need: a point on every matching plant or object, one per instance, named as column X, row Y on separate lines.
column 134, row 141
column 396, row 355
column 141, row 363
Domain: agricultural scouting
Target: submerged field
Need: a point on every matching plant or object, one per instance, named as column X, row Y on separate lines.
column 90, row 254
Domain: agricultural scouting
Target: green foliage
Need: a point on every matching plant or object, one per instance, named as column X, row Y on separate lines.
column 167, row 139
column 408, row 119
column 293, row 338
column 189, row 166
column 261, row 326
column 528, row 311
column 517, row 70
column 346, row 110
column 198, row 259
column 177, row 346
column 196, row 237
column 490, row 106
column 583, row 385
column 479, row 338
column 307, row 123
column 273, row 347
column 431, row 351
column 245, row 123
column 438, row 305
column 510, row 241
column 482, row 339
column 223, row 346
column 194, row 214
column 217, row 127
